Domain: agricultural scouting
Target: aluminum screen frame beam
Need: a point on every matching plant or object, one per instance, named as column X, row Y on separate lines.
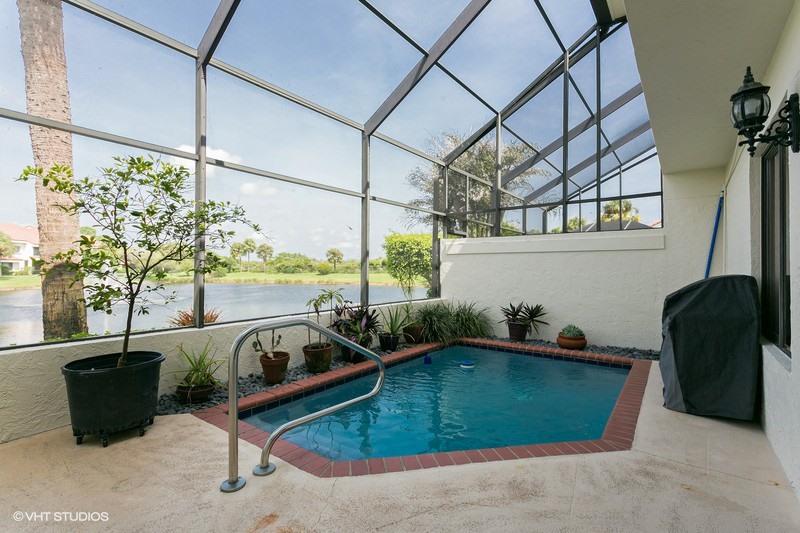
column 439, row 48
column 610, row 108
column 550, row 74
column 586, row 163
column 216, row 29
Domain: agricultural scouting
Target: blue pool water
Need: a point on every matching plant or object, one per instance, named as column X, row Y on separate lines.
column 505, row 400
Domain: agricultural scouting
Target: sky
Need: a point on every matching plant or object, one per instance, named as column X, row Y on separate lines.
column 335, row 53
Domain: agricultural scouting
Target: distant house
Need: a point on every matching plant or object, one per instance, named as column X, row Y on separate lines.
column 26, row 247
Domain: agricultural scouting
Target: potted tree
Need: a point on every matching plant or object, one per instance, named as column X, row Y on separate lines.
column 144, row 217
column 199, row 381
column 318, row 354
column 572, row 338
column 273, row 363
column 394, row 321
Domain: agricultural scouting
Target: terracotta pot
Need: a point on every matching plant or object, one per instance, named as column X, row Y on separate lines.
column 517, row 331
column 274, row 367
column 388, row 341
column 193, row 393
column 571, row 343
column 413, row 333
column 318, row 357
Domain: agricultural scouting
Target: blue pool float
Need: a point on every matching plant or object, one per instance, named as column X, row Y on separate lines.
column 466, row 363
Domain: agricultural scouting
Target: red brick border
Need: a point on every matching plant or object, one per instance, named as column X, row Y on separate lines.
column 618, row 434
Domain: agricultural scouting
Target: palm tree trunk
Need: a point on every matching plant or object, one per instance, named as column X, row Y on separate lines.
column 42, row 35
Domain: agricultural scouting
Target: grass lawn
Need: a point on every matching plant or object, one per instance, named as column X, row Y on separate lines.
column 376, row 278
column 19, row 282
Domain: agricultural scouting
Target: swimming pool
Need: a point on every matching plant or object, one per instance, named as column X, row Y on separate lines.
column 505, row 400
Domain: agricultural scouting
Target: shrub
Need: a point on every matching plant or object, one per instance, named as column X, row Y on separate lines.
column 446, row 322
column 288, row 263
column 323, row 269
column 408, row 259
column 436, row 321
column 468, row 321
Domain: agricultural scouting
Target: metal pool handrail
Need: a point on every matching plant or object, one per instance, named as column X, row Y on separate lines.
column 264, row 468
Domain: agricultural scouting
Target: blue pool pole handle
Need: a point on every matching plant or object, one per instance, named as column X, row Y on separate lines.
column 427, row 359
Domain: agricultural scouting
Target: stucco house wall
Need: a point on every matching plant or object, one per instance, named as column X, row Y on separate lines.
column 611, row 284
column 742, row 254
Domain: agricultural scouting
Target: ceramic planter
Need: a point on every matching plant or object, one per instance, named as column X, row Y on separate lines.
column 318, row 357
column 517, row 331
column 193, row 393
column 274, row 367
column 571, row 343
column 388, row 342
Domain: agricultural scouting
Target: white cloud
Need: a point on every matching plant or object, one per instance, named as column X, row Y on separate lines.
column 254, row 188
column 214, row 153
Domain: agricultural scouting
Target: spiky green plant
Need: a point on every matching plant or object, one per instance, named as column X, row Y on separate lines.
column 469, row 321
column 572, row 331
column 533, row 316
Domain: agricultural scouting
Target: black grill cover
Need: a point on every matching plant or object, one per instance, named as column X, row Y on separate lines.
column 710, row 354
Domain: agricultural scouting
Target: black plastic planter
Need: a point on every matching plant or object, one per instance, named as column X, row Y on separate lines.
column 388, row 342
column 517, row 331
column 104, row 399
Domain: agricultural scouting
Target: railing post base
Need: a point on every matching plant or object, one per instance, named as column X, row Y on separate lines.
column 227, row 486
column 259, row 470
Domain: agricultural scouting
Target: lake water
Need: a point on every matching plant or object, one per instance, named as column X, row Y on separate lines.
column 21, row 310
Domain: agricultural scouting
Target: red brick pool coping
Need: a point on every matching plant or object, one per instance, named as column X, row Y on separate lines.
column 617, row 436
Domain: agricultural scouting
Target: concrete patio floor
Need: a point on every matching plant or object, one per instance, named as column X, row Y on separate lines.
column 684, row 473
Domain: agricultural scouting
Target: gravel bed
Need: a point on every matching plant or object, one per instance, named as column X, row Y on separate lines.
column 632, row 353
column 168, row 404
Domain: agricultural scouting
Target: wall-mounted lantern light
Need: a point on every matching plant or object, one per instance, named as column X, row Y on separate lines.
column 750, row 110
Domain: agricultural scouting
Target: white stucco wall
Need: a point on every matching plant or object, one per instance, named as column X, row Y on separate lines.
column 32, row 391
column 742, row 255
column 611, row 284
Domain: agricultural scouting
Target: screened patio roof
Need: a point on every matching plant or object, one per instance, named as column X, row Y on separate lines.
column 451, row 65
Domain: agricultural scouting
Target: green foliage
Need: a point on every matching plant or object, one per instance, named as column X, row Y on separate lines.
column 329, row 297
column 611, row 211
column 202, row 366
column 289, row 263
column 533, row 316
column 264, row 252
column 377, row 265
column 436, row 322
column 6, row 246
column 408, row 259
column 572, row 331
column 513, row 313
column 525, row 314
column 447, row 322
column 144, row 214
column 334, row 257
column 468, row 321
column 356, row 322
column 395, row 319
column 324, row 269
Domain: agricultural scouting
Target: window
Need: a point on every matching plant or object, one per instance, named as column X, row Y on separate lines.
column 775, row 299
